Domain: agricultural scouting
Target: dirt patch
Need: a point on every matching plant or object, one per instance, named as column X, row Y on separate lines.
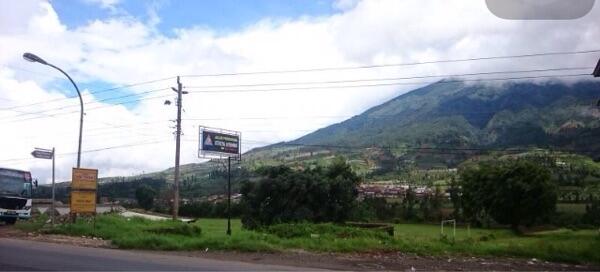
column 70, row 240
column 7, row 231
column 337, row 261
column 391, row 261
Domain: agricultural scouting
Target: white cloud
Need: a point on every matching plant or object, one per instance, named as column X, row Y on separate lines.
column 105, row 4
column 344, row 4
column 123, row 50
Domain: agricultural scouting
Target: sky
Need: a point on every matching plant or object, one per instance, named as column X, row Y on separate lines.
column 240, row 62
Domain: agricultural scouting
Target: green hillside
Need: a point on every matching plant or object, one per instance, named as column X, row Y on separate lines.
column 439, row 126
column 455, row 114
column 442, row 125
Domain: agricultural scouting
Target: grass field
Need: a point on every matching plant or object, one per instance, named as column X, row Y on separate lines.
column 134, row 233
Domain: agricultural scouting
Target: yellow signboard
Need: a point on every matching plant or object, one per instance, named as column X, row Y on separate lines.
column 84, row 179
column 83, row 201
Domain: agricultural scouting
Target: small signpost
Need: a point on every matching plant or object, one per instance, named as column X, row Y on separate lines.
column 47, row 154
column 83, row 192
column 84, row 179
column 41, row 153
column 83, row 202
column 221, row 143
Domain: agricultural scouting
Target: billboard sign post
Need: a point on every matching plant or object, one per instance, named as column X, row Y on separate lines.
column 84, row 179
column 84, row 183
column 83, row 202
column 221, row 143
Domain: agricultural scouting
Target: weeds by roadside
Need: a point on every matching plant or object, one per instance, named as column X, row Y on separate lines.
column 574, row 246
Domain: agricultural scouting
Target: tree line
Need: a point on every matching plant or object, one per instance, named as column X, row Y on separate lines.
column 517, row 192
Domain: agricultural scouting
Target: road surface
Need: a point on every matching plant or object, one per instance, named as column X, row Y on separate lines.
column 31, row 255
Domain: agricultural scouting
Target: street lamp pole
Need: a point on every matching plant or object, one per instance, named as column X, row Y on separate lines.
column 33, row 58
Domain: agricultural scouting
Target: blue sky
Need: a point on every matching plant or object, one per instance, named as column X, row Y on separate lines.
column 135, row 41
column 221, row 16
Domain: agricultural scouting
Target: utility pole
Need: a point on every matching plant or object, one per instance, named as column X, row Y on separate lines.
column 229, row 195
column 180, row 92
column 53, row 195
column 596, row 73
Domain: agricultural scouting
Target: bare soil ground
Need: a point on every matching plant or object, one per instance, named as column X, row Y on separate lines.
column 337, row 261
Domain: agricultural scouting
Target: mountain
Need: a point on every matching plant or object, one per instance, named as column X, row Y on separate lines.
column 434, row 127
column 453, row 114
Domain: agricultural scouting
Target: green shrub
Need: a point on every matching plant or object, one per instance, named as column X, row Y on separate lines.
column 182, row 229
column 285, row 195
column 33, row 224
column 563, row 219
column 516, row 192
column 592, row 213
column 304, row 230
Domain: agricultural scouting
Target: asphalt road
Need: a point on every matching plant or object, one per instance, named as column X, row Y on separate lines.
column 30, row 255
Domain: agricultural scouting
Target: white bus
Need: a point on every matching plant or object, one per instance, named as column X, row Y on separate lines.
column 15, row 195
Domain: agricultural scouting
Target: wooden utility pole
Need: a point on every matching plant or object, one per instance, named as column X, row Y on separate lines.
column 229, row 195
column 179, row 92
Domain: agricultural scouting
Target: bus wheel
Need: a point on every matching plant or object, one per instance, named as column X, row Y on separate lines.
column 10, row 221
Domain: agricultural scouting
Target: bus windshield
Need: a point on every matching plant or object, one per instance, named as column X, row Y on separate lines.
column 14, row 184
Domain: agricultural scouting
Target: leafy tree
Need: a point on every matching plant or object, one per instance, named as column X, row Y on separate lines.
column 425, row 207
column 592, row 213
column 314, row 194
column 209, row 209
column 436, row 202
column 512, row 192
column 145, row 196
column 455, row 198
column 408, row 204
column 381, row 209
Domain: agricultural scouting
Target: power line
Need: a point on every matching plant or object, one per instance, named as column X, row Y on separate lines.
column 387, row 84
column 397, row 64
column 91, row 109
column 323, row 87
column 92, row 102
column 392, row 78
column 323, row 69
column 267, row 117
column 294, row 88
column 91, row 150
column 91, row 93
column 340, row 81
column 108, row 132
column 42, row 115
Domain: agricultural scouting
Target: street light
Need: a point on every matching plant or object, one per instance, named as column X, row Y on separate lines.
column 33, row 58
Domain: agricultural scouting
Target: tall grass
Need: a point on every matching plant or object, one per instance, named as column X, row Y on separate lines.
column 136, row 233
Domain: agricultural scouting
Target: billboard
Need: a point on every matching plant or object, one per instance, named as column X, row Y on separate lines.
column 84, row 179
column 83, row 190
column 220, row 143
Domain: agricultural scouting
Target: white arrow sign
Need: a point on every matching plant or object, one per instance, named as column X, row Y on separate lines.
column 42, row 154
